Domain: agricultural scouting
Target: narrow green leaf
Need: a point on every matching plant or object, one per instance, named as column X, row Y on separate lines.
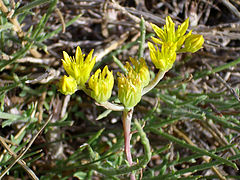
column 142, row 38
column 30, row 5
column 217, row 69
column 193, row 148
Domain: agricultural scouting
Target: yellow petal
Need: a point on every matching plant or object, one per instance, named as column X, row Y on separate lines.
column 158, row 31
column 156, row 40
column 182, row 28
column 67, row 85
column 79, row 55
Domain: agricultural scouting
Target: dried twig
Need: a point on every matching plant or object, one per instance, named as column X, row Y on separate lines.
column 21, row 162
column 136, row 19
column 231, row 7
column 112, row 46
column 61, row 19
column 64, row 106
column 13, row 20
column 224, row 83
column 24, row 152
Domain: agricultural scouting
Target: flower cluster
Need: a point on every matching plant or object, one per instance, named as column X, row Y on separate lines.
column 131, row 84
column 172, row 41
column 79, row 69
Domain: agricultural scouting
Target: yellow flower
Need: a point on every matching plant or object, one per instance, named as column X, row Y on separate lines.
column 140, row 67
column 193, row 43
column 168, row 34
column 101, row 85
column 129, row 88
column 165, row 58
column 77, row 67
column 172, row 41
column 67, row 85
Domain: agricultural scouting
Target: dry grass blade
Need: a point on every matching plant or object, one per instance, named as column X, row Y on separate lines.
column 21, row 162
column 25, row 150
column 224, row 83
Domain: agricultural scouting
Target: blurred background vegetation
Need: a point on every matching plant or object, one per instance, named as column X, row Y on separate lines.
column 191, row 118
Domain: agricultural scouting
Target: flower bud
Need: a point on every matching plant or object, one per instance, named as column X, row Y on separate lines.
column 101, row 85
column 141, row 68
column 129, row 89
column 67, row 85
column 193, row 43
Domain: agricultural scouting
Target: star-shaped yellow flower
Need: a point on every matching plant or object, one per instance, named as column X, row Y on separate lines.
column 77, row 67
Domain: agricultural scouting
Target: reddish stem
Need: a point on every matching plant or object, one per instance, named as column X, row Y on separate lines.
column 126, row 118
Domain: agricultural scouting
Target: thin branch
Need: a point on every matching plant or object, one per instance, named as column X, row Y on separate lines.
column 131, row 16
column 111, row 106
column 154, row 82
column 231, row 7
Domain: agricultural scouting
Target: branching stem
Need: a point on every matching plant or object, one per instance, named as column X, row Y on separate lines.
column 111, row 106
column 154, row 82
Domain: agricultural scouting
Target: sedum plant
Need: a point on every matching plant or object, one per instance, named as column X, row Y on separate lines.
column 136, row 81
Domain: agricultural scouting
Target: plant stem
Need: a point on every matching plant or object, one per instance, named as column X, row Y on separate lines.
column 111, row 106
column 141, row 164
column 119, row 63
column 142, row 38
column 154, row 82
column 126, row 118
